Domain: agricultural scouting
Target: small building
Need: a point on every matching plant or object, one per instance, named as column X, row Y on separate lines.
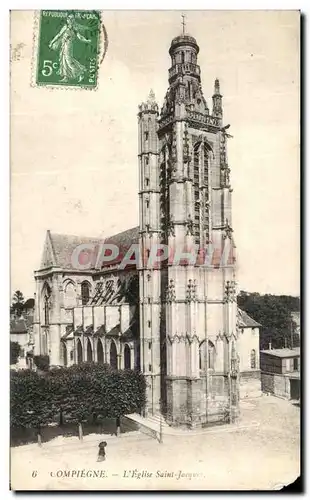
column 248, row 348
column 21, row 332
column 280, row 372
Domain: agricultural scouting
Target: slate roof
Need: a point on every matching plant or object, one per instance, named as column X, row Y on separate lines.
column 244, row 320
column 63, row 245
column 283, row 353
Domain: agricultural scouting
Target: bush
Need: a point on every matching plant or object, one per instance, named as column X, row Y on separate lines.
column 15, row 349
column 42, row 362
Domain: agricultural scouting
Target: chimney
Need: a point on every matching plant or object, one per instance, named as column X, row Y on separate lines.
column 270, row 346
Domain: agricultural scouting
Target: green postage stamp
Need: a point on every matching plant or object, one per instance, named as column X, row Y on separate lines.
column 68, row 48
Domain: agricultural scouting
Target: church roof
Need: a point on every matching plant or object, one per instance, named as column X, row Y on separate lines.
column 244, row 320
column 59, row 248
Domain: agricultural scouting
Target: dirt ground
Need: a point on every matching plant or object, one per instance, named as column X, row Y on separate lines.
column 263, row 454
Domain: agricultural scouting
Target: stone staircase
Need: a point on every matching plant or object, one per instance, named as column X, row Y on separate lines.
column 155, row 425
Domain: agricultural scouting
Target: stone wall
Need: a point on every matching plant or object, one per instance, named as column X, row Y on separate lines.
column 279, row 385
column 250, row 384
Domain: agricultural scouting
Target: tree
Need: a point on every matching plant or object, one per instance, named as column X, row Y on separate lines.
column 15, row 349
column 18, row 301
column 42, row 362
column 273, row 312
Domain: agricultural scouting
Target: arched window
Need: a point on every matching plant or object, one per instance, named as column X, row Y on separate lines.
column 46, row 312
column 85, row 292
column 202, row 356
column 44, row 342
column 64, row 354
column 89, row 352
column 182, row 57
column 196, row 193
column 127, row 361
column 113, row 355
column 253, row 358
column 79, row 352
column 70, row 296
column 99, row 351
column 211, row 355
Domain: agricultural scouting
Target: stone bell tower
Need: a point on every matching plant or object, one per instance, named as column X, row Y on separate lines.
column 185, row 204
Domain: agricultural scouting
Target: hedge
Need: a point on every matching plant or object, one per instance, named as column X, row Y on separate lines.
column 15, row 349
column 75, row 392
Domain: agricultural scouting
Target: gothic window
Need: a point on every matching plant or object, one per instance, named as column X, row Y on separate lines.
column 146, row 137
column 85, row 288
column 79, row 352
column 71, row 355
column 127, row 355
column 64, row 354
column 99, row 351
column 196, row 193
column 205, row 153
column 165, row 174
column 70, row 296
column 46, row 311
column 146, row 160
column 211, row 355
column 113, row 355
column 44, row 343
column 202, row 356
column 149, row 324
column 253, row 358
column 89, row 352
column 147, row 203
column 182, row 57
column 147, row 181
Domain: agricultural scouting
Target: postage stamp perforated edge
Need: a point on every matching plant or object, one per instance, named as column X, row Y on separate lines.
column 103, row 43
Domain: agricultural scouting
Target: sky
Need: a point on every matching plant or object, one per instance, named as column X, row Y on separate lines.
column 74, row 162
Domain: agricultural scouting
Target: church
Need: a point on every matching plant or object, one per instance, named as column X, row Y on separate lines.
column 175, row 318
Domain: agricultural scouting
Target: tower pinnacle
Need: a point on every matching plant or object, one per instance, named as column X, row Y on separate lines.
column 151, row 97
